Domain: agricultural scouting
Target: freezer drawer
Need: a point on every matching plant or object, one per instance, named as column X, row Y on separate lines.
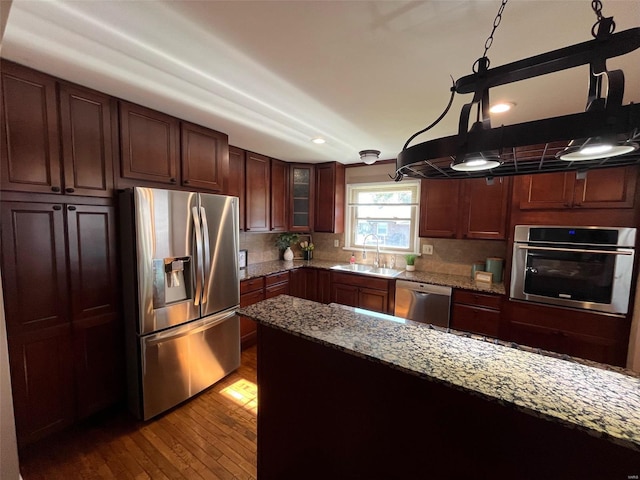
column 181, row 362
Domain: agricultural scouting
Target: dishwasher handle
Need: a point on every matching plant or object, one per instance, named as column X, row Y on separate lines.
column 423, row 287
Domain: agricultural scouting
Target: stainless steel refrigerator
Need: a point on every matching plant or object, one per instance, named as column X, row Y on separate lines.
column 181, row 293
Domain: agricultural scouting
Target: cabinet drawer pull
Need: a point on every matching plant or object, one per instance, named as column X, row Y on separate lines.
column 57, row 207
column 69, row 190
column 71, row 207
column 55, row 189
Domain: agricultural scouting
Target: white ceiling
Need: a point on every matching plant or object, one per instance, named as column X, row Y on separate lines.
column 274, row 74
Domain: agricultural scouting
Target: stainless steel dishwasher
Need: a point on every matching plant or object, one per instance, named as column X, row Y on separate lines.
column 422, row 302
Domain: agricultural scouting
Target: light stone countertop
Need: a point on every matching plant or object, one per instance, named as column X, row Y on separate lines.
column 603, row 402
column 455, row 281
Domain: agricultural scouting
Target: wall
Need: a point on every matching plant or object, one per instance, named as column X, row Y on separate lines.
column 449, row 256
column 8, row 444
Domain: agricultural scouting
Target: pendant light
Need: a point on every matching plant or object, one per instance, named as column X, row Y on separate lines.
column 475, row 162
column 596, row 148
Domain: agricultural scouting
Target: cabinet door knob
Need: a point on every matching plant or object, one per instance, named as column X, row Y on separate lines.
column 71, row 207
column 69, row 190
column 172, row 180
column 186, row 182
column 57, row 207
column 55, row 189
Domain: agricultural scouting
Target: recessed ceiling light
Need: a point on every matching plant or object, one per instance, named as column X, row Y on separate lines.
column 502, row 107
column 318, row 140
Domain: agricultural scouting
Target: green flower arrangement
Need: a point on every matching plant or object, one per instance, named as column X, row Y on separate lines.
column 285, row 240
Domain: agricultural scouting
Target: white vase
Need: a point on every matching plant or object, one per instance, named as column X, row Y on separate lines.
column 410, row 268
column 288, row 254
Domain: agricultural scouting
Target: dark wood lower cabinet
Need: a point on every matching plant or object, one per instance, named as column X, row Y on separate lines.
column 304, row 283
column 251, row 291
column 323, row 286
column 98, row 363
column 601, row 338
column 41, row 365
column 398, row 425
column 361, row 291
column 476, row 312
column 64, row 330
column 344, row 294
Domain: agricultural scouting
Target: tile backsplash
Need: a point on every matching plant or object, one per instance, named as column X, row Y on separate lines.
column 449, row 256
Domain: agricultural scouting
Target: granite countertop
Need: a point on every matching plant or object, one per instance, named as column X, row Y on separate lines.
column 600, row 401
column 455, row 281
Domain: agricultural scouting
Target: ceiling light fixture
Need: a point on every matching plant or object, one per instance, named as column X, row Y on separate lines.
column 369, row 156
column 318, row 140
column 538, row 146
column 502, row 107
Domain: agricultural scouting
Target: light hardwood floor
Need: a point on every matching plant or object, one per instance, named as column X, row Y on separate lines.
column 213, row 436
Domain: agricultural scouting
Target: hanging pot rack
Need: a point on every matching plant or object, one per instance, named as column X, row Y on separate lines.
column 534, row 147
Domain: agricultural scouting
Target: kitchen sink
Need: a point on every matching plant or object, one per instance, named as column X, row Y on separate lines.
column 385, row 272
column 354, row 267
column 368, row 270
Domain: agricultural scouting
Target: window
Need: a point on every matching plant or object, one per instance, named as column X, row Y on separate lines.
column 388, row 211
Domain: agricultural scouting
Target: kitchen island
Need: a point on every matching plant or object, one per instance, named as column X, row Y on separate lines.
column 344, row 394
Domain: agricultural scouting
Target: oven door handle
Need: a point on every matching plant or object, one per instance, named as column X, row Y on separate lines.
column 576, row 250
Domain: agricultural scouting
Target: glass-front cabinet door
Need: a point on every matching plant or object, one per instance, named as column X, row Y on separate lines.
column 301, row 207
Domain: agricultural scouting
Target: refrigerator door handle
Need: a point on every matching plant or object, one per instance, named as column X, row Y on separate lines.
column 198, row 254
column 194, row 327
column 207, row 253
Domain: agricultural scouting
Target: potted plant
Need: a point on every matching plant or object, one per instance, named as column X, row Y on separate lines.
column 307, row 250
column 284, row 242
column 410, row 258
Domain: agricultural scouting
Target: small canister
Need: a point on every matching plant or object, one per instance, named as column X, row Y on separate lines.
column 495, row 266
column 477, row 267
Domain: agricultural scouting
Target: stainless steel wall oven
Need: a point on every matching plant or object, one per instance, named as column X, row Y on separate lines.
column 582, row 267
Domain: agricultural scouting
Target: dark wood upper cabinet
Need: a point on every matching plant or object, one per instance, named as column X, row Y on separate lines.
column 330, row 197
column 86, row 119
column 485, row 208
column 607, row 188
column 205, row 158
column 149, row 143
column 438, row 208
column 235, row 183
column 257, row 192
column 93, row 272
column 600, row 188
column 279, row 195
column 30, row 134
column 469, row 208
column 301, row 197
column 34, row 270
column 546, row 190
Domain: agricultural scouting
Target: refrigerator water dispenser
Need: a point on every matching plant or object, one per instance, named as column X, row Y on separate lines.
column 171, row 281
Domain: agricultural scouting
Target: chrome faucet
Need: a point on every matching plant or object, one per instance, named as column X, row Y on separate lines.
column 376, row 262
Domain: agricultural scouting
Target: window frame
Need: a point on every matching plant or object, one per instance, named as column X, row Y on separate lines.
column 351, row 210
